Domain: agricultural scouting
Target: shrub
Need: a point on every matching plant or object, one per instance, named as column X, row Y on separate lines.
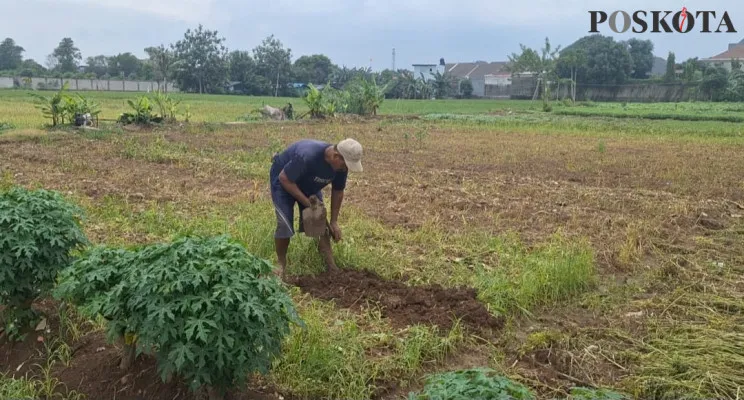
column 39, row 232
column 207, row 309
column 477, row 383
column 6, row 126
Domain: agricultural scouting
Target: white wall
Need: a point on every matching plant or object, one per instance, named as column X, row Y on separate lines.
column 479, row 87
column 427, row 70
column 498, row 80
column 87, row 84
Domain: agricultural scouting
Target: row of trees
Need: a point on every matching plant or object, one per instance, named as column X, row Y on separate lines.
column 594, row 59
column 714, row 83
column 598, row 59
column 200, row 62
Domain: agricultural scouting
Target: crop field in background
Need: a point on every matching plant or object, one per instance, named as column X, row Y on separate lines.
column 17, row 108
column 606, row 251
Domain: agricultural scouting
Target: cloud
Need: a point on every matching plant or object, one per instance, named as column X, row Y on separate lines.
column 184, row 10
column 350, row 32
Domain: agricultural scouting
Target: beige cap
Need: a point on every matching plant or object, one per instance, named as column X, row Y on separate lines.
column 351, row 150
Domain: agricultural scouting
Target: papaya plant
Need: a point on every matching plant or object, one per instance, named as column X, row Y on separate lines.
column 476, row 383
column 41, row 230
column 209, row 311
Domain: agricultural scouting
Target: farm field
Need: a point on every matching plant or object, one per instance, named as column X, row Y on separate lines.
column 17, row 108
column 575, row 250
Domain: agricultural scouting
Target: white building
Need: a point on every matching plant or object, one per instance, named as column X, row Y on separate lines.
column 482, row 74
column 428, row 70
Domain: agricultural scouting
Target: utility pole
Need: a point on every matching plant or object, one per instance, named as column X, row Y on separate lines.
column 393, row 59
column 276, row 91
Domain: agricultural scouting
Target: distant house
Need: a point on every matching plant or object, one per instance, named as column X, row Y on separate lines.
column 427, row 71
column 735, row 52
column 483, row 74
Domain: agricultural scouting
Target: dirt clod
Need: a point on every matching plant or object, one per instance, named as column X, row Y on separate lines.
column 403, row 305
column 711, row 224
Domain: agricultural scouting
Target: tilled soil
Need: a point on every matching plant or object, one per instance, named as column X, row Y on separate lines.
column 95, row 372
column 403, row 305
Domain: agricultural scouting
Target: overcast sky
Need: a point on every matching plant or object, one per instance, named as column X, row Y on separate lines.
column 350, row 32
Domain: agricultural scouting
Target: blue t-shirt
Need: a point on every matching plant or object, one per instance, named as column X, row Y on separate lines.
column 304, row 164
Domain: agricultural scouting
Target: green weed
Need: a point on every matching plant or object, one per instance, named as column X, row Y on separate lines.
column 6, row 126
column 343, row 355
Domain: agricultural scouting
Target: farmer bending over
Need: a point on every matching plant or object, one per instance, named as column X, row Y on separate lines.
column 303, row 170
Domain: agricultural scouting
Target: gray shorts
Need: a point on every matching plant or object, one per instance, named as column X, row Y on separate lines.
column 284, row 205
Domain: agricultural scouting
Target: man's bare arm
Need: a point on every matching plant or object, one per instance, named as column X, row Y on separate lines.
column 292, row 189
column 337, row 197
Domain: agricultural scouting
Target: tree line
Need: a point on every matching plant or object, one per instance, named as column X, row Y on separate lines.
column 201, row 63
column 601, row 60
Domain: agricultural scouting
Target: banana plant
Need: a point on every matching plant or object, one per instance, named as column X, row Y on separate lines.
column 142, row 111
column 370, row 95
column 53, row 107
column 77, row 107
column 168, row 106
column 314, row 101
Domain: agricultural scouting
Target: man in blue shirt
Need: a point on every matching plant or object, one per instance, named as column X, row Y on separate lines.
column 303, row 170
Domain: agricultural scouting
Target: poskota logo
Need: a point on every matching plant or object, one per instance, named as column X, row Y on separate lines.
column 682, row 21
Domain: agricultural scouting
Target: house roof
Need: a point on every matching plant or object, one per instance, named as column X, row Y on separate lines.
column 476, row 70
column 731, row 45
column 733, row 52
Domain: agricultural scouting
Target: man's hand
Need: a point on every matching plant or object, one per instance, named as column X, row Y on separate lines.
column 335, row 231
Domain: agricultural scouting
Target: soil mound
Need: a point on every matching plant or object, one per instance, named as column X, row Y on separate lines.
column 401, row 304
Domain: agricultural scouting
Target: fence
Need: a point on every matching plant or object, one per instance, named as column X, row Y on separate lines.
column 526, row 88
column 652, row 92
column 109, row 85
